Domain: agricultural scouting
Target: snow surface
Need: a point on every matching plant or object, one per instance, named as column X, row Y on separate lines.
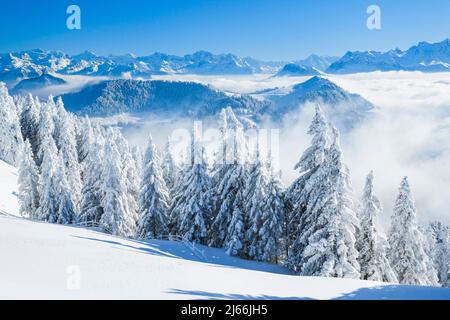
column 39, row 260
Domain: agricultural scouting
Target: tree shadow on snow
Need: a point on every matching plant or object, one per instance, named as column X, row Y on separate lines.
column 203, row 295
column 389, row 292
column 178, row 250
column 396, row 292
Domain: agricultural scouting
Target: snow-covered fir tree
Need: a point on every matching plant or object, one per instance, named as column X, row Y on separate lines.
column 439, row 239
column 299, row 193
column 46, row 129
column 28, row 181
column 169, row 166
column 29, row 122
column 131, row 167
column 66, row 143
column 192, row 208
column 10, row 132
column 273, row 217
column 84, row 138
column 325, row 243
column 64, row 201
column 92, row 191
column 255, row 194
column 372, row 244
column 407, row 253
column 47, row 191
column 154, row 200
column 229, row 226
column 265, row 209
column 118, row 218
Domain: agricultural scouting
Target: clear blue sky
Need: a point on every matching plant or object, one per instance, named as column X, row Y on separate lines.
column 271, row 30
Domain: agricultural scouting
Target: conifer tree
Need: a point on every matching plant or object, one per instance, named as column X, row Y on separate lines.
column 407, row 253
column 92, row 191
column 274, row 212
column 439, row 238
column 299, row 193
column 229, row 225
column 371, row 244
column 66, row 143
column 154, row 198
column 64, row 201
column 29, row 122
column 118, row 218
column 10, row 132
column 47, row 191
column 28, row 183
column 255, row 193
column 325, row 243
column 192, row 208
column 169, row 166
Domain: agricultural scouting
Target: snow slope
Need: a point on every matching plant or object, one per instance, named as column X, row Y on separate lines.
column 8, row 189
column 42, row 260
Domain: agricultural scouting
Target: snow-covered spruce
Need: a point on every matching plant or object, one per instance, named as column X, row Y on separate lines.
column 372, row 244
column 10, row 132
column 118, row 217
column 255, row 193
column 28, row 181
column 131, row 165
column 274, row 213
column 192, row 207
column 66, row 143
column 92, row 191
column 230, row 223
column 169, row 166
column 265, row 211
column 29, row 122
column 325, row 243
column 46, row 128
column 439, row 239
column 55, row 202
column 64, row 200
column 298, row 194
column 154, row 200
column 407, row 253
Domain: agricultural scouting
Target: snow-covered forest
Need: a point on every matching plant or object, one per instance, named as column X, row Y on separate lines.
column 73, row 170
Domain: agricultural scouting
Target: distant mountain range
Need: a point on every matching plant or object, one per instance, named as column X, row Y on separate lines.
column 425, row 57
column 18, row 66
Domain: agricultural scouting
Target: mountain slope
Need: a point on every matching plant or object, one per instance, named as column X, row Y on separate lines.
column 160, row 97
column 87, row 264
column 42, row 81
column 345, row 109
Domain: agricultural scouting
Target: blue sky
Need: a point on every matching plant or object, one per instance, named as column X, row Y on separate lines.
column 271, row 30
